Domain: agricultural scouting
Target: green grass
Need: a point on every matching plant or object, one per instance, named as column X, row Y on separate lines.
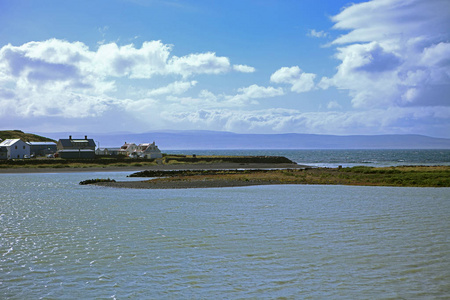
column 395, row 176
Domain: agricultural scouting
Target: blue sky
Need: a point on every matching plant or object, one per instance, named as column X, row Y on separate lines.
column 261, row 66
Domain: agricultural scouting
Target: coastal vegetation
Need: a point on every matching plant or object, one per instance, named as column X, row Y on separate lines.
column 122, row 161
column 28, row 137
column 404, row 176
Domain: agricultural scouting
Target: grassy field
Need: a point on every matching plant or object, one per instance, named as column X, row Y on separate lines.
column 407, row 176
column 56, row 163
column 109, row 161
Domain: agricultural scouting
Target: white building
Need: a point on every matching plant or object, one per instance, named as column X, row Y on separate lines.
column 148, row 150
column 14, row 148
column 127, row 149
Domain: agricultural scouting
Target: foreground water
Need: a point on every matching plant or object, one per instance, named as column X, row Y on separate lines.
column 62, row 240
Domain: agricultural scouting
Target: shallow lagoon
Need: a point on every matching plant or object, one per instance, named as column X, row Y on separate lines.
column 62, row 240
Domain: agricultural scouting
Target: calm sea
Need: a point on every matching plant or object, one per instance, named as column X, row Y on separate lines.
column 346, row 158
column 60, row 240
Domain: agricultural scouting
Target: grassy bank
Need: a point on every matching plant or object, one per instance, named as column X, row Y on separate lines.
column 109, row 161
column 57, row 163
column 407, row 176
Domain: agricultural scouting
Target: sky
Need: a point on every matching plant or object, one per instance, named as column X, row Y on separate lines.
column 244, row 66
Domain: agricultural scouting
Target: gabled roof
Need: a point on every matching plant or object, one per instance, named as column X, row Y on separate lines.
column 9, row 142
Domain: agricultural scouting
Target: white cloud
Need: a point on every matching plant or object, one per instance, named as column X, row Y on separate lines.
column 258, row 92
column 61, row 78
column 378, row 121
column 243, row 68
column 175, row 88
column 396, row 53
column 202, row 63
column 244, row 96
column 317, row 34
column 333, row 105
column 300, row 81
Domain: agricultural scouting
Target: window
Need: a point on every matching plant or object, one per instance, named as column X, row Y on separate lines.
column 23, row 147
column 16, row 147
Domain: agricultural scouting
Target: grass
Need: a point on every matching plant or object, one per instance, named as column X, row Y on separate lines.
column 413, row 176
column 101, row 162
column 56, row 163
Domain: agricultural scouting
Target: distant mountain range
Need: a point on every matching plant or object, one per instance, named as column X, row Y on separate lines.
column 186, row 140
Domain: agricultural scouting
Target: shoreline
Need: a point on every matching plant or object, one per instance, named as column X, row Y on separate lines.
column 163, row 167
column 408, row 176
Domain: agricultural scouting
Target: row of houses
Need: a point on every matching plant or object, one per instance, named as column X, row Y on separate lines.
column 145, row 150
column 73, row 148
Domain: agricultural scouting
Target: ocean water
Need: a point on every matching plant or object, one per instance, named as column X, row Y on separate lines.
column 60, row 240
column 345, row 158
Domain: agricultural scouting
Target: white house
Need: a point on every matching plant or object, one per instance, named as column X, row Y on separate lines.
column 14, row 148
column 148, row 151
column 127, row 149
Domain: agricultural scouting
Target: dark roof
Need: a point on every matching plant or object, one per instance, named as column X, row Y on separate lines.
column 74, row 143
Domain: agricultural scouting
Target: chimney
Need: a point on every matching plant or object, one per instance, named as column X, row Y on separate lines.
column 70, row 137
column 85, row 137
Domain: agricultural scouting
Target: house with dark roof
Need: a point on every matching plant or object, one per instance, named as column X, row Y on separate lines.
column 76, row 148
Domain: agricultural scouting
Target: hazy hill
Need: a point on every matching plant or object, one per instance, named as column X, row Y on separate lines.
column 226, row 140
column 27, row 137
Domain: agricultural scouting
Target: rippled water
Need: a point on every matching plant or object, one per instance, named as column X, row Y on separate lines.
column 62, row 240
column 346, row 158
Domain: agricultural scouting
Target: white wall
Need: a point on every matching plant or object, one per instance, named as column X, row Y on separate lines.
column 22, row 150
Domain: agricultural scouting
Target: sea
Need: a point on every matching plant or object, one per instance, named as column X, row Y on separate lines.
column 62, row 240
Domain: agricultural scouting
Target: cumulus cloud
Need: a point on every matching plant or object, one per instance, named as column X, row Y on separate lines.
column 243, row 68
column 395, row 53
column 301, row 82
column 202, row 63
column 61, row 78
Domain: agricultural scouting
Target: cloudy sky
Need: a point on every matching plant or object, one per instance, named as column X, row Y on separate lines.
column 246, row 66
